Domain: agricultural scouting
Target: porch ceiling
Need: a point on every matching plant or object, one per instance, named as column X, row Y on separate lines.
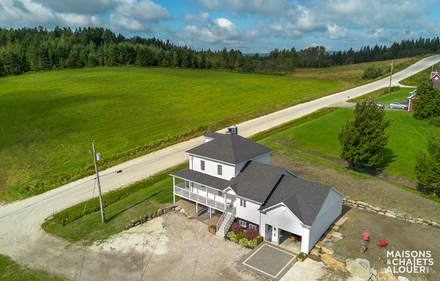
column 201, row 178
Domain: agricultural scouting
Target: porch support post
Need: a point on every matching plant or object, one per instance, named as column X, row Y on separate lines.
column 210, row 212
column 197, row 209
column 174, row 189
column 206, row 192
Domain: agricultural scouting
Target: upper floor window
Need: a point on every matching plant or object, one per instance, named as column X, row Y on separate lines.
column 202, row 165
column 243, row 203
column 219, row 170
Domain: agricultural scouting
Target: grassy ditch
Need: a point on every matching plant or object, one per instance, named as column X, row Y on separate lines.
column 12, row 271
column 82, row 222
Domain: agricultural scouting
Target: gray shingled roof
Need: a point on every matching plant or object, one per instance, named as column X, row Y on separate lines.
column 202, row 178
column 256, row 180
column 230, row 148
column 303, row 198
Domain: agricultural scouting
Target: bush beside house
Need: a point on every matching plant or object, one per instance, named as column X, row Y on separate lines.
column 246, row 238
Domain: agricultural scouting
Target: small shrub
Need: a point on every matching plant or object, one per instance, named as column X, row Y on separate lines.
column 241, row 235
column 251, row 233
column 232, row 236
column 252, row 243
column 243, row 242
column 236, row 227
column 435, row 121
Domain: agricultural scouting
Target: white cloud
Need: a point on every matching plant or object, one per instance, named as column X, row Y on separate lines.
column 225, row 23
column 144, row 10
column 200, row 17
column 276, row 27
column 336, row 32
column 271, row 8
column 138, row 16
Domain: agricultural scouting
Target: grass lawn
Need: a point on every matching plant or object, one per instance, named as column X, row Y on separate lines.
column 12, row 271
column 49, row 119
column 407, row 138
column 89, row 228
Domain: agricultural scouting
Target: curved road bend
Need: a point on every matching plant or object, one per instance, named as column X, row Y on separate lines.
column 22, row 238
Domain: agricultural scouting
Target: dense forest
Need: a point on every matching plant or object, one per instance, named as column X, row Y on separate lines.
column 35, row 49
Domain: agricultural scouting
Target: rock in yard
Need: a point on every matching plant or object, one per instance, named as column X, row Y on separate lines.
column 385, row 275
column 327, row 250
column 337, row 236
column 359, row 268
column 330, row 261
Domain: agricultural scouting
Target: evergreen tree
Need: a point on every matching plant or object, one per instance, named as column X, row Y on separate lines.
column 426, row 103
column 364, row 138
column 427, row 166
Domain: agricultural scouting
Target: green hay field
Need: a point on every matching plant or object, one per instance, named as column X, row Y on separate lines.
column 49, row 119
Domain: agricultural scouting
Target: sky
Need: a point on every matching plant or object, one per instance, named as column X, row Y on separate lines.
column 251, row 26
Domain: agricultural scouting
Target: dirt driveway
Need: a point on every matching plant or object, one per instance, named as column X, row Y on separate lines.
column 403, row 238
column 173, row 247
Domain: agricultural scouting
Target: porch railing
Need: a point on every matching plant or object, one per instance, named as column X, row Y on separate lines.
column 186, row 193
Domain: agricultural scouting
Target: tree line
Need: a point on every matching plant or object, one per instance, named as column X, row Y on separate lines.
column 35, row 49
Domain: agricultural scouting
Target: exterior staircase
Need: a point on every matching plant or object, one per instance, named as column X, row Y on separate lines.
column 225, row 222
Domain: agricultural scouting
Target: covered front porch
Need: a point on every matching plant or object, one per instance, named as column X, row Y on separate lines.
column 202, row 189
column 201, row 197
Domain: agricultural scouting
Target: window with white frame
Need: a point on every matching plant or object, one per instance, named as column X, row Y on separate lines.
column 243, row 203
column 202, row 165
column 252, row 226
column 219, row 170
column 220, row 193
column 242, row 223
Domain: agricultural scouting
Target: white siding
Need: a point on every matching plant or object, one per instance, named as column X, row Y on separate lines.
column 282, row 218
column 330, row 211
column 211, row 167
column 249, row 213
column 265, row 159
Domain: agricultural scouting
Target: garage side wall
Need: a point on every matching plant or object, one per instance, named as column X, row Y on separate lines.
column 330, row 211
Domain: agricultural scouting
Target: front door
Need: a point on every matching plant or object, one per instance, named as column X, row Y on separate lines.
column 268, row 233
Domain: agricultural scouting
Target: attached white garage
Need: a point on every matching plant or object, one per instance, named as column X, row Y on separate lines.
column 303, row 208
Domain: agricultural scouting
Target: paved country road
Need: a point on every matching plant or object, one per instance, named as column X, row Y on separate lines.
column 22, row 238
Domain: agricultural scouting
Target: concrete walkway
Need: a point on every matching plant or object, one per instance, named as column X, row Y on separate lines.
column 269, row 260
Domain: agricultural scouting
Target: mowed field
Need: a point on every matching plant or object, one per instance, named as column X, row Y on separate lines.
column 49, row 119
column 407, row 137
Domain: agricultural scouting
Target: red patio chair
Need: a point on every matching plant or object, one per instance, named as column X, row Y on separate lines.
column 382, row 243
column 365, row 236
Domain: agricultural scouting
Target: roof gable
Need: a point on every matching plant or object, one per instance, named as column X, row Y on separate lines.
column 257, row 180
column 303, row 198
column 229, row 148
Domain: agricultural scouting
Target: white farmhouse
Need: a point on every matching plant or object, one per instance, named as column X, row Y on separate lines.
column 233, row 175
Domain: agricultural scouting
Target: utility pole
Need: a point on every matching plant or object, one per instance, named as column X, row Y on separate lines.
column 391, row 76
column 96, row 157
